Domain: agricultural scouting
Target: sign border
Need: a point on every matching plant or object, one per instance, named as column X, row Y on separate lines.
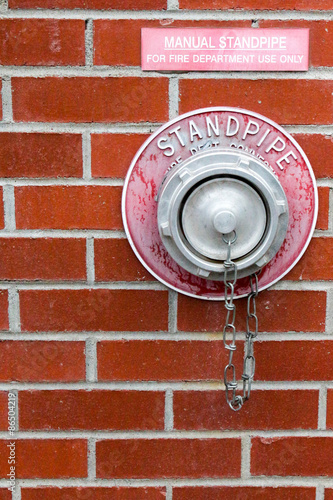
column 185, row 70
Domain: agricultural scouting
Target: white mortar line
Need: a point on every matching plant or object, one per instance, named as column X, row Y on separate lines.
column 91, row 360
column 309, row 129
column 3, row 6
column 292, row 336
column 219, row 15
column 59, row 233
column 14, row 310
column 142, row 336
column 71, row 181
column 82, row 286
column 325, row 183
column 330, row 210
column 169, row 491
column 246, row 457
column 86, row 157
column 168, row 426
column 320, row 73
column 90, row 261
column 259, row 481
column 7, row 106
column 9, row 207
column 330, row 206
column 147, row 285
column 97, row 71
column 322, row 409
column 91, row 459
column 319, row 233
column 89, row 42
column 173, row 307
column 173, row 5
column 313, row 286
column 69, row 285
column 303, row 285
column 68, row 181
column 173, row 97
column 320, row 492
column 80, row 128
column 16, row 494
column 130, row 128
column 174, row 435
column 159, row 386
column 134, row 483
column 329, row 312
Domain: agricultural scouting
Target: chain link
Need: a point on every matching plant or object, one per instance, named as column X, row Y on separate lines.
column 234, row 400
column 251, row 317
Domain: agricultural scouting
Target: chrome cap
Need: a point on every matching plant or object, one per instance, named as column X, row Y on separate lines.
column 215, row 193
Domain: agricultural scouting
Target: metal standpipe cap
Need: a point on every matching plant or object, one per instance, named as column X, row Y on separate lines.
column 230, row 202
column 225, row 222
column 216, row 193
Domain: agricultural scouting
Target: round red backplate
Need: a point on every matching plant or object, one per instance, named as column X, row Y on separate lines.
column 188, row 134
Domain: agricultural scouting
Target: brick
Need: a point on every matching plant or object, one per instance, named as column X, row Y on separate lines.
column 5, row 494
column 315, row 263
column 198, row 410
column 116, row 261
column 329, row 422
column 2, row 213
column 162, row 360
column 90, row 99
column 319, row 150
column 68, row 207
column 111, row 410
column 4, row 321
column 42, row 259
column 284, row 101
column 323, row 213
column 320, row 38
column 40, row 155
column 3, row 412
column 118, row 42
column 168, row 458
column 111, row 154
column 105, row 493
column 46, row 458
column 278, row 310
column 42, row 42
column 41, row 361
column 328, row 494
column 97, row 310
column 243, row 493
column 292, row 456
column 254, row 4
column 89, row 4
column 294, row 360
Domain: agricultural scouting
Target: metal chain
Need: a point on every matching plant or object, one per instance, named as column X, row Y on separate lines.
column 251, row 317
column 236, row 401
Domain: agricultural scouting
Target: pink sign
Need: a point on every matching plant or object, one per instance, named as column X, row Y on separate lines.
column 215, row 49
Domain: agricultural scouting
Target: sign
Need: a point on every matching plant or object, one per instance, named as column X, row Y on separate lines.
column 215, row 49
column 210, row 129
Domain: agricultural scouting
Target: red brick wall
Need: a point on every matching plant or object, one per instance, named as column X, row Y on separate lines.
column 118, row 380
